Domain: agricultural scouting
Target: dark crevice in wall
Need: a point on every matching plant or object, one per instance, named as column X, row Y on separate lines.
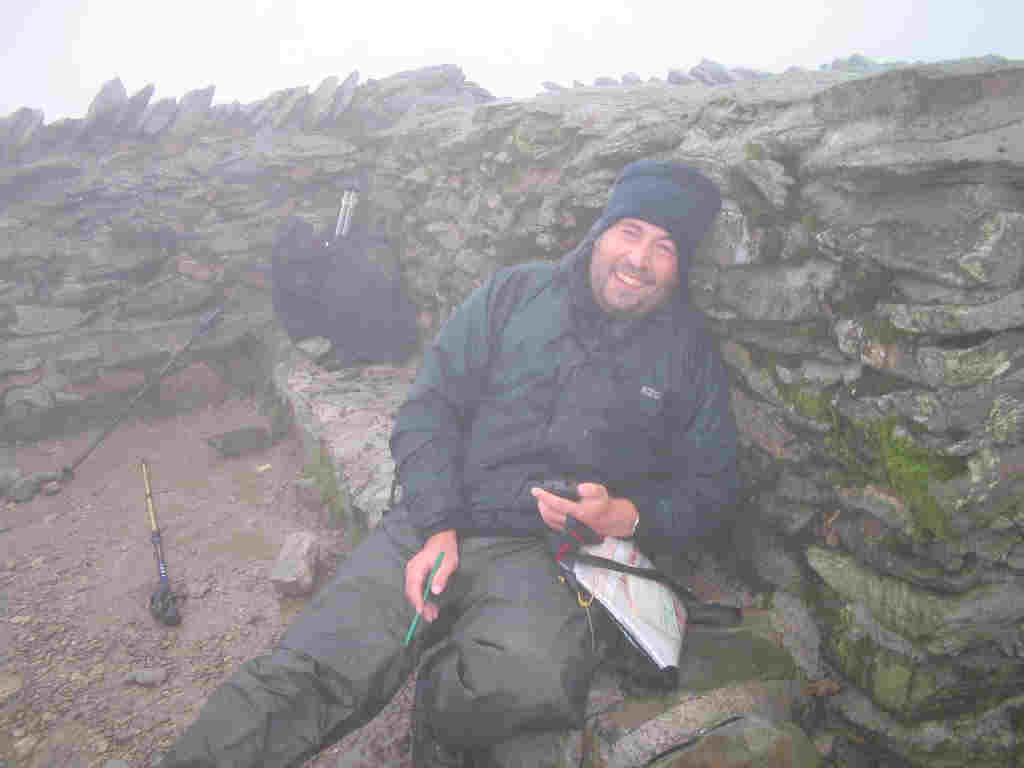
column 967, row 341
column 875, row 383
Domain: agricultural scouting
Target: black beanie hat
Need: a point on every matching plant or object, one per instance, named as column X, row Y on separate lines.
column 672, row 196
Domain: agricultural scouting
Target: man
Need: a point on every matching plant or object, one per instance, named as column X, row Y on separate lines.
column 593, row 367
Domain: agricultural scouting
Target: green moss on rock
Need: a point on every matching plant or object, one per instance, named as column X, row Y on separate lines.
column 885, row 453
column 809, row 403
column 881, row 330
column 334, row 494
column 755, row 152
column 909, row 469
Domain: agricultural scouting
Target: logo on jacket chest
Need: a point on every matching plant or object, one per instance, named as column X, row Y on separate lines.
column 651, row 392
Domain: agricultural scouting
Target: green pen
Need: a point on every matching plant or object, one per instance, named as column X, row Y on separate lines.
column 426, row 591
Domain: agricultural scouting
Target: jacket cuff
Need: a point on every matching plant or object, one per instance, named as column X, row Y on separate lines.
column 652, row 530
column 447, row 523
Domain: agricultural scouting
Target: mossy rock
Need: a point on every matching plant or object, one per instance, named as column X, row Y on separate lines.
column 886, row 453
column 334, row 494
column 714, row 657
column 939, row 624
column 915, row 688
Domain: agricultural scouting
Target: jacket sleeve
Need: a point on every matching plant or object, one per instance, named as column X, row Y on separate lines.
column 427, row 442
column 702, row 491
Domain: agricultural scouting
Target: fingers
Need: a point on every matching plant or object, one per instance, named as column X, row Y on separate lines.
column 448, row 566
column 592, row 491
column 553, row 509
column 594, row 509
column 416, row 571
column 558, row 504
column 552, row 519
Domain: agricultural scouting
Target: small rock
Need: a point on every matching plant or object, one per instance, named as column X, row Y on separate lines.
column 315, row 346
column 149, row 677
column 51, row 488
column 240, row 442
column 196, row 591
column 9, row 686
column 711, row 73
column 679, row 77
column 24, row 488
column 25, row 746
column 294, row 572
column 9, row 475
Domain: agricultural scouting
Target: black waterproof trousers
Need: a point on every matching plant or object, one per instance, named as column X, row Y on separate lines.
column 511, row 652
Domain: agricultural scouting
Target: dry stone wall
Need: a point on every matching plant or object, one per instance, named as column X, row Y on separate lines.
column 864, row 279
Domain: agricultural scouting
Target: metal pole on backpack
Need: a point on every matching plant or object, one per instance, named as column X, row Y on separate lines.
column 348, row 205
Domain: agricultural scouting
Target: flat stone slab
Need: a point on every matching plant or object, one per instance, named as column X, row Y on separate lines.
column 345, row 416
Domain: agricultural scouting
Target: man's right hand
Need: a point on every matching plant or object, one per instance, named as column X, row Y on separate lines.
column 420, row 565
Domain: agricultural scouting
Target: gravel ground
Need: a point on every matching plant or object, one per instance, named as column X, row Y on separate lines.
column 77, row 570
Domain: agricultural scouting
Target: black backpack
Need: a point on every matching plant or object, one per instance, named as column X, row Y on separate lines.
column 344, row 286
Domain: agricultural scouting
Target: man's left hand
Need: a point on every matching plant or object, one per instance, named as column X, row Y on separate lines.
column 605, row 514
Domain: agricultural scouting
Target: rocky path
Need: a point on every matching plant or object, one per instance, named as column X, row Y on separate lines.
column 86, row 674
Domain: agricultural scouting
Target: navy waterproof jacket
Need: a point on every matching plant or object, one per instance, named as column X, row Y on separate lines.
column 529, row 379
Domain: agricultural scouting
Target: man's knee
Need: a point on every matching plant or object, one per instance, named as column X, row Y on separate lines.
column 494, row 691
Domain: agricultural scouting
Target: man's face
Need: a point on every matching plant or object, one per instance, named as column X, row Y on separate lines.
column 634, row 268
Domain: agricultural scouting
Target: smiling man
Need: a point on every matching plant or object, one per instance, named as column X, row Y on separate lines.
column 634, row 267
column 595, row 367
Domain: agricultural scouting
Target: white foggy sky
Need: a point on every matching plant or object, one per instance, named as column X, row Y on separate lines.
column 56, row 54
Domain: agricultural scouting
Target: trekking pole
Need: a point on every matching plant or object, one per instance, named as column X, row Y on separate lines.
column 162, row 602
column 206, row 322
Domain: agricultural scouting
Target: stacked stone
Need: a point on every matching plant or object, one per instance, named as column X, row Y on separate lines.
column 707, row 72
column 334, row 107
column 872, row 310
column 118, row 230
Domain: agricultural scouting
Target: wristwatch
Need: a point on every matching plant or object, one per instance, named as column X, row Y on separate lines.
column 636, row 523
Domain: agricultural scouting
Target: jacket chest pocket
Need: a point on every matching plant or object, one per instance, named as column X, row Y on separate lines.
column 637, row 404
column 611, row 422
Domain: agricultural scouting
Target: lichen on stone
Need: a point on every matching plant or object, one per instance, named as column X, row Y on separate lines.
column 1003, row 422
column 967, row 367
